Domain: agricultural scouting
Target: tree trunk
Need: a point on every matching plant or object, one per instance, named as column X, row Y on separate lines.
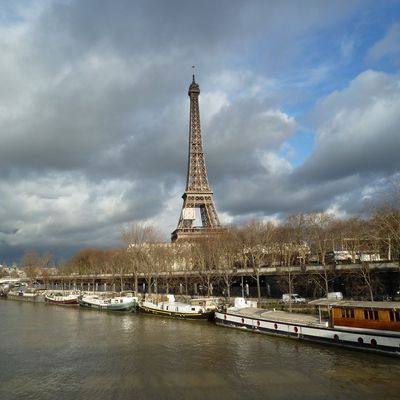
column 290, row 291
column 326, row 282
column 258, row 287
column 136, row 284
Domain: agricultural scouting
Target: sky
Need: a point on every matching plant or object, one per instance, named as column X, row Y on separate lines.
column 299, row 105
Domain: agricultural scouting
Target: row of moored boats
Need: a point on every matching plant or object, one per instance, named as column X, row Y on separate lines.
column 364, row 325
column 157, row 305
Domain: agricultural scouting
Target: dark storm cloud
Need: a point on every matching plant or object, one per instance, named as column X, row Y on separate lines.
column 97, row 71
column 239, row 132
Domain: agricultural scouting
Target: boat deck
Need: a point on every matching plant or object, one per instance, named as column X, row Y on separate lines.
column 279, row 316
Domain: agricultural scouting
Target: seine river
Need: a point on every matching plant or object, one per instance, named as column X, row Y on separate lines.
column 52, row 352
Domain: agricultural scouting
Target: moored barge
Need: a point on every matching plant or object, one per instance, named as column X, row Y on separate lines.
column 174, row 309
column 118, row 303
column 371, row 326
column 62, row 298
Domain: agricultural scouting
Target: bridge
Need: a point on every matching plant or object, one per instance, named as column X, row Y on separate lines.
column 7, row 280
column 193, row 281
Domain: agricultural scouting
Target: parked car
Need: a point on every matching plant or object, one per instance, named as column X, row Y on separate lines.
column 294, row 298
column 382, row 297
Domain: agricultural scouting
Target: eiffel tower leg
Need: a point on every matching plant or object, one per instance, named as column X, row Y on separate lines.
column 209, row 216
column 205, row 219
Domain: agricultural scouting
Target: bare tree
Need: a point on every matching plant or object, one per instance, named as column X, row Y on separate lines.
column 228, row 243
column 387, row 222
column 362, row 281
column 137, row 238
column 205, row 255
column 45, row 263
column 257, row 243
column 290, row 244
column 31, row 264
column 318, row 230
column 320, row 233
column 184, row 260
column 119, row 263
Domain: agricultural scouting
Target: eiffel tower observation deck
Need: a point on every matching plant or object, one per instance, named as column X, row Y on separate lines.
column 198, row 195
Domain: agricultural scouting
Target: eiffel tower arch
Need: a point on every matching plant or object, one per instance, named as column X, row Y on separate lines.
column 198, row 194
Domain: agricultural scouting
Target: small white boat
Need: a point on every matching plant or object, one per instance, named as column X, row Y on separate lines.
column 118, row 303
column 61, row 298
column 171, row 308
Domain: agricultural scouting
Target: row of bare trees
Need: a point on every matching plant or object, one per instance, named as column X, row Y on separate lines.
column 301, row 239
column 217, row 259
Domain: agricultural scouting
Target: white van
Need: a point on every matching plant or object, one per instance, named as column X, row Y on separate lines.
column 335, row 296
column 295, row 298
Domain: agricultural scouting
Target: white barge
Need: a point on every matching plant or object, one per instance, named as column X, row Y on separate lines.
column 119, row 303
column 59, row 298
column 174, row 309
column 371, row 326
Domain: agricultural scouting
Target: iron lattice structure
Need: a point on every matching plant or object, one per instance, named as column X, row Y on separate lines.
column 197, row 194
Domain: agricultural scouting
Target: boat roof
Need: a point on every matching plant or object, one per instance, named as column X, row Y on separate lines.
column 356, row 304
column 277, row 316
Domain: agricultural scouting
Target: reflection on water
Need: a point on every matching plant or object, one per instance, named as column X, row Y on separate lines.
column 51, row 352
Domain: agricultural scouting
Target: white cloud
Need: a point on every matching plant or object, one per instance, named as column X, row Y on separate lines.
column 275, row 165
column 55, row 207
column 357, row 129
column 211, row 103
column 242, row 83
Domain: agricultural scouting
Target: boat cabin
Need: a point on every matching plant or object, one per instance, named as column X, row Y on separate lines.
column 379, row 315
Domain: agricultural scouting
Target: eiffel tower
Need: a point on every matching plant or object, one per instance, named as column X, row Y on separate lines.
column 197, row 194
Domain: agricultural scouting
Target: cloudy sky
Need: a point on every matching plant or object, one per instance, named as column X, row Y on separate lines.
column 299, row 103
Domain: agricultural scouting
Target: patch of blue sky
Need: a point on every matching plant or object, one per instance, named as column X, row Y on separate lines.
column 12, row 13
column 298, row 148
column 335, row 56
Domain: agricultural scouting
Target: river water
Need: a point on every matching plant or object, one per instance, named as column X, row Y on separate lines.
column 54, row 352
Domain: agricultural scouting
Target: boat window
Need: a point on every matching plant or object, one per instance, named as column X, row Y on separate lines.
column 397, row 314
column 349, row 313
column 391, row 315
column 370, row 314
column 193, row 309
